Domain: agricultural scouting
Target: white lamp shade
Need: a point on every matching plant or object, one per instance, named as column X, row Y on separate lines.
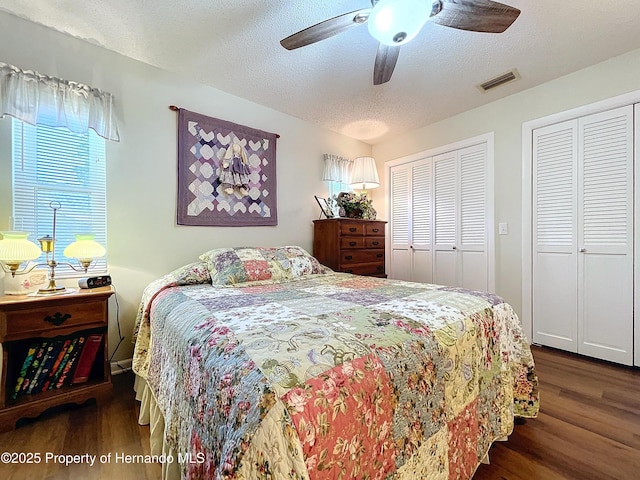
column 364, row 174
column 395, row 22
column 84, row 248
column 16, row 248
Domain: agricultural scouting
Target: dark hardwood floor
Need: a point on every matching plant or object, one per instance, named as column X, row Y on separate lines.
column 588, row 428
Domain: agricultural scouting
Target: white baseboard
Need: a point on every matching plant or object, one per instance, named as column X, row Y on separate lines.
column 121, row 366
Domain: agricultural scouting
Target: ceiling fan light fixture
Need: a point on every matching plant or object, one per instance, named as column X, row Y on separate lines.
column 396, row 22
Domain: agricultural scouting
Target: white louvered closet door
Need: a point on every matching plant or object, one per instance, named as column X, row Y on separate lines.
column 411, row 222
column 583, row 235
column 421, row 221
column 400, row 209
column 472, row 231
column 445, row 217
column 605, row 233
column 555, row 300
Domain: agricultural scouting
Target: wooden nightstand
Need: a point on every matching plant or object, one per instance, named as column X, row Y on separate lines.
column 350, row 245
column 25, row 320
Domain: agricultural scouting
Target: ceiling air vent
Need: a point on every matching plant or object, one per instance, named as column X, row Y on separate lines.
column 499, row 80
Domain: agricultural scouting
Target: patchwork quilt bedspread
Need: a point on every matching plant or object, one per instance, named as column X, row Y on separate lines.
column 332, row 376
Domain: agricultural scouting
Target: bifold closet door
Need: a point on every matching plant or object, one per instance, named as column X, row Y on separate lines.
column 460, row 218
column 583, row 235
column 555, row 244
column 411, row 214
column 605, row 231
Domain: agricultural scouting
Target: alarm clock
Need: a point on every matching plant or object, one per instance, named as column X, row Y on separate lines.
column 95, row 282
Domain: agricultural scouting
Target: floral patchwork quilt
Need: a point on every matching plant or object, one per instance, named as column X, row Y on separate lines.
column 332, row 376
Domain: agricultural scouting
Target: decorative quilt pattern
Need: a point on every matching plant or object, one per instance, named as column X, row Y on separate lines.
column 226, row 173
column 332, row 376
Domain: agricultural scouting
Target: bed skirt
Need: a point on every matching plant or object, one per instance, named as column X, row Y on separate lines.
column 151, row 415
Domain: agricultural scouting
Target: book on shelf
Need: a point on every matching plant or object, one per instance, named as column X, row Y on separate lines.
column 65, row 375
column 86, row 358
column 33, row 368
column 33, row 384
column 28, row 359
column 49, row 358
column 65, row 359
column 56, row 363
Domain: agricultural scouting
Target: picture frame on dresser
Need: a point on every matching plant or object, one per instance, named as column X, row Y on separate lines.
column 324, row 207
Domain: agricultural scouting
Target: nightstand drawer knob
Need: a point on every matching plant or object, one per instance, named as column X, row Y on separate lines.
column 352, row 244
column 375, row 244
column 57, row 318
column 376, row 230
column 348, row 257
column 352, row 229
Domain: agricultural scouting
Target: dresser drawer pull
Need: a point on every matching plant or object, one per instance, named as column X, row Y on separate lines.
column 352, row 229
column 380, row 255
column 375, row 230
column 348, row 257
column 375, row 244
column 352, row 244
column 57, row 318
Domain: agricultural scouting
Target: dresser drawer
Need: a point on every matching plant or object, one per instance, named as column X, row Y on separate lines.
column 347, row 228
column 351, row 242
column 374, row 229
column 361, row 256
column 47, row 319
column 375, row 269
column 373, row 242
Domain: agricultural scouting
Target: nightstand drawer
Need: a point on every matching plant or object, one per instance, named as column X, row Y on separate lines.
column 351, row 242
column 46, row 319
column 354, row 228
column 361, row 256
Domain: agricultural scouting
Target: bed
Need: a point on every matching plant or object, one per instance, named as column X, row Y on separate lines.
column 260, row 363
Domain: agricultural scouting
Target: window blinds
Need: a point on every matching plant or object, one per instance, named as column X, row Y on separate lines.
column 57, row 165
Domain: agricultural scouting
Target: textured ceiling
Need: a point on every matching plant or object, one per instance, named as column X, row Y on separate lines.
column 234, row 46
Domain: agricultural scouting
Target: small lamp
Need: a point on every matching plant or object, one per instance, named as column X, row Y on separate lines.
column 364, row 175
column 84, row 249
column 16, row 248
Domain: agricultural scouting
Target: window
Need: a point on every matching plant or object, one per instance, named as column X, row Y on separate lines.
column 57, row 165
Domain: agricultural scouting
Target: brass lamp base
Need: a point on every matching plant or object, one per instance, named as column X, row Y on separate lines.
column 51, row 289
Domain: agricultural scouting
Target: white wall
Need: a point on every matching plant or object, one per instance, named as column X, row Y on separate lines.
column 505, row 118
column 144, row 241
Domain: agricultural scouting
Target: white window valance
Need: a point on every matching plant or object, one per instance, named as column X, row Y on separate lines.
column 337, row 169
column 36, row 99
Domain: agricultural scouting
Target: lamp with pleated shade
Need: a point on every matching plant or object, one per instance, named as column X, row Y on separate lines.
column 16, row 248
column 84, row 249
column 364, row 175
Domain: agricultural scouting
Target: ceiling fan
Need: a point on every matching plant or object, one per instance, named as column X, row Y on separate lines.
column 395, row 22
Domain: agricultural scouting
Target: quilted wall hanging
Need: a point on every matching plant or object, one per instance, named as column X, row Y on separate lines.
column 226, row 173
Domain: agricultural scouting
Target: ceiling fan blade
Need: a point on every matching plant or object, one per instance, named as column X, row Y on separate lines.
column 386, row 59
column 476, row 15
column 326, row 29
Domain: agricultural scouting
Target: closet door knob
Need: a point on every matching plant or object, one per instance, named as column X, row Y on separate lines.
column 453, row 248
column 582, row 250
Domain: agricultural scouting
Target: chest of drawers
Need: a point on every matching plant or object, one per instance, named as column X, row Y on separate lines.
column 350, row 245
